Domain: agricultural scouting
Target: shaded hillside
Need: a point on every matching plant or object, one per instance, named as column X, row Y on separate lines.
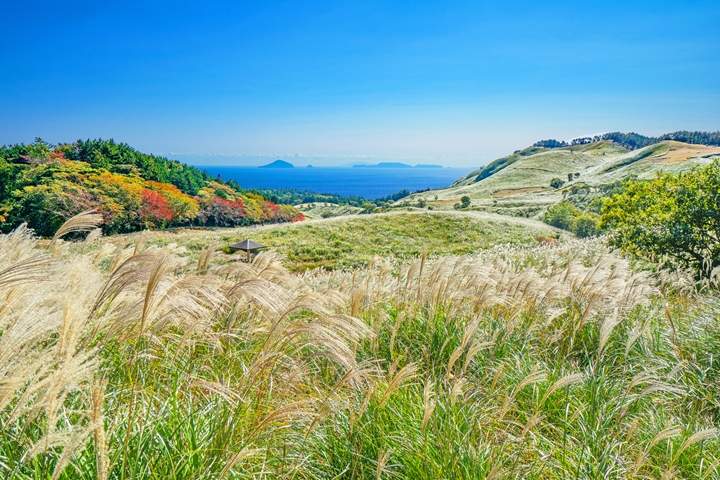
column 44, row 185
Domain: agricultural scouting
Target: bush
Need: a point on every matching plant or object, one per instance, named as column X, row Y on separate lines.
column 556, row 182
column 465, row 201
column 586, row 225
column 674, row 216
column 367, row 208
column 561, row 215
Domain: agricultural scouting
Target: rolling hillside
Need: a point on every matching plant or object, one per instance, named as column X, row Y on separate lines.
column 519, row 184
column 43, row 185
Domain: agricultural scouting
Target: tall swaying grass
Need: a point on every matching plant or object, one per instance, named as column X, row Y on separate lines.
column 544, row 362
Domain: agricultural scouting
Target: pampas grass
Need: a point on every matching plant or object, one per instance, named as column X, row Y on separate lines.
column 84, row 222
column 564, row 361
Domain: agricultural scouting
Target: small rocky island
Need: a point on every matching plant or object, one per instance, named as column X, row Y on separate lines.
column 278, row 164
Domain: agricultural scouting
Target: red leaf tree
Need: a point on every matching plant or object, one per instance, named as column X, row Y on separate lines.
column 155, row 209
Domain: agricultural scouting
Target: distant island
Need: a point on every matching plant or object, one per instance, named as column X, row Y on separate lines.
column 384, row 165
column 278, row 164
column 395, row 165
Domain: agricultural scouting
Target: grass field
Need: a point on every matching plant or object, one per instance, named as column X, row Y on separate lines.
column 544, row 362
column 326, row 210
column 354, row 241
column 429, row 345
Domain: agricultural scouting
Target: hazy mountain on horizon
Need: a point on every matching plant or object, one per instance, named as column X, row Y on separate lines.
column 319, row 161
column 278, row 164
column 395, row 165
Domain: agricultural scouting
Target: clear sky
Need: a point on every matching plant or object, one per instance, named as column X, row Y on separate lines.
column 458, row 83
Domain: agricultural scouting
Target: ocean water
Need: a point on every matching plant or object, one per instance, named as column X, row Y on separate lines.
column 366, row 182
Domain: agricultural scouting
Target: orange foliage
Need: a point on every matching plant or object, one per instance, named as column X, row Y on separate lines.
column 155, row 208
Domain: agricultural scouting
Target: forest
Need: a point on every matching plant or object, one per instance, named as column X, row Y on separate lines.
column 293, row 196
column 44, row 185
column 633, row 141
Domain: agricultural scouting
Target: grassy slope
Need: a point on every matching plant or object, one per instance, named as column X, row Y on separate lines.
column 540, row 363
column 598, row 163
column 352, row 241
column 316, row 210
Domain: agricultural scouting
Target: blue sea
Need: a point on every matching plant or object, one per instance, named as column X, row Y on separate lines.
column 366, row 182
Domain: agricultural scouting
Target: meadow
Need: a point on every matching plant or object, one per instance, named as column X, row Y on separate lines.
column 125, row 357
column 353, row 241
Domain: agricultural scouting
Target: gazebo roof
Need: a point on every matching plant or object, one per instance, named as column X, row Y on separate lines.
column 247, row 244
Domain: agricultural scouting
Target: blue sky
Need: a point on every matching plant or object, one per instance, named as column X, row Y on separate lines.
column 459, row 83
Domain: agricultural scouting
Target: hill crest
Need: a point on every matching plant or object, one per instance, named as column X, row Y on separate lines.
column 520, row 184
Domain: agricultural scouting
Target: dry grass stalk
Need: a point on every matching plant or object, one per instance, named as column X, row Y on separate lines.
column 701, row 436
column 566, row 381
column 428, row 403
column 97, row 420
column 383, row 457
column 82, row 222
column 402, row 376
column 244, row 454
column 204, row 258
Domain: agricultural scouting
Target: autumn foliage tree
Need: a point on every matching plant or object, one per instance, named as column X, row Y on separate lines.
column 155, row 209
column 45, row 185
column 220, row 212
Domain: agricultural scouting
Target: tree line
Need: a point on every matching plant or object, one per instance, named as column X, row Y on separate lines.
column 293, row 196
column 633, row 141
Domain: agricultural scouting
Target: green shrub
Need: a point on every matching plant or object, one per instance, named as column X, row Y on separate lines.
column 556, row 182
column 368, row 207
column 561, row 215
column 586, row 225
column 673, row 216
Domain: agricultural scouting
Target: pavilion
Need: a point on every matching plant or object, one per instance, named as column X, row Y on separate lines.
column 248, row 246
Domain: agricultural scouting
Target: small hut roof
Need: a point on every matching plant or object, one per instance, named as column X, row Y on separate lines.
column 247, row 244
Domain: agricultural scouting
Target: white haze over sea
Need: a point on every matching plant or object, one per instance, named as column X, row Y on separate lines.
column 303, row 160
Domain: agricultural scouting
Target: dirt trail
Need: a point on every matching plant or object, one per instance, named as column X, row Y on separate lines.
column 508, row 192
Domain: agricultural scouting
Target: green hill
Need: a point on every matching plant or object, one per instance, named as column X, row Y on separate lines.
column 44, row 185
column 520, row 184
